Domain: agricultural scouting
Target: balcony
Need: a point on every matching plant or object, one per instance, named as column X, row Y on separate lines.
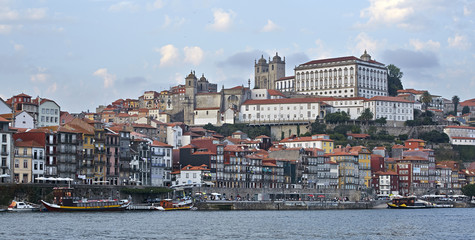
column 4, row 153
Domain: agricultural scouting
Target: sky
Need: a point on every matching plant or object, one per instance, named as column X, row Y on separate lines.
column 83, row 54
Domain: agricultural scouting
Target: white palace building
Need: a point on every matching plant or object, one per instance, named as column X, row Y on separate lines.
column 338, row 77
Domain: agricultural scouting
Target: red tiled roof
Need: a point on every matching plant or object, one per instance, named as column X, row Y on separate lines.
column 415, row 140
column 29, row 143
column 410, row 90
column 286, row 78
column 339, row 59
column 358, row 135
column 3, row 119
column 160, row 144
column 461, row 127
column 273, row 92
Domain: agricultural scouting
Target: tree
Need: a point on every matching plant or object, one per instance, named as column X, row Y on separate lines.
column 381, row 121
column 426, row 99
column 394, row 79
column 455, row 101
column 366, row 115
column 338, row 117
column 469, row 190
column 465, row 110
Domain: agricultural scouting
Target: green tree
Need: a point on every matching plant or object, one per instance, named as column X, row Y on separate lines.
column 469, row 190
column 426, row 99
column 455, row 101
column 381, row 121
column 366, row 115
column 434, row 136
column 318, row 128
column 465, row 110
column 338, row 117
column 394, row 79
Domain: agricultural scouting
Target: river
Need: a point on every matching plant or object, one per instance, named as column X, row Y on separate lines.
column 444, row 223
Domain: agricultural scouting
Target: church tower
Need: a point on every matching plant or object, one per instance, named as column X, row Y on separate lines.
column 189, row 101
column 266, row 74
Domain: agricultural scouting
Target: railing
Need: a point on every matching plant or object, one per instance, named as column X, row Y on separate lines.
column 4, row 153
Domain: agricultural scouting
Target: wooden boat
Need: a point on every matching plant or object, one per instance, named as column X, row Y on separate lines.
column 170, row 205
column 22, row 207
column 65, row 202
column 413, row 203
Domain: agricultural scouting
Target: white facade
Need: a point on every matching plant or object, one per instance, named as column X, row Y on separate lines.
column 461, row 135
column 285, row 84
column 392, row 108
column 48, row 114
column 6, row 153
column 38, row 163
column 161, row 164
column 4, row 108
column 259, row 94
column 281, row 110
column 175, row 136
column 342, row 77
column 353, row 106
column 204, row 116
column 193, row 176
column 24, row 120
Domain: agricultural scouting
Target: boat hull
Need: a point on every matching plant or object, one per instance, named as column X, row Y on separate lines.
column 57, row 208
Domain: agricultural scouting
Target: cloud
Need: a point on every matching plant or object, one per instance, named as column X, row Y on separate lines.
column 40, row 76
column 124, row 6
column 296, row 59
column 365, row 42
column 419, row 45
column 176, row 22
column 193, row 55
column 157, row 4
column 459, row 41
column 52, row 88
column 5, row 28
column 410, row 59
column 270, row 27
column 320, row 50
column 383, row 12
column 222, row 20
column 109, row 79
column 467, row 11
column 243, row 60
column 169, row 54
column 35, row 13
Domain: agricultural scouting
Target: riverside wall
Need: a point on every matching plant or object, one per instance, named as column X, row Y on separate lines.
column 281, row 205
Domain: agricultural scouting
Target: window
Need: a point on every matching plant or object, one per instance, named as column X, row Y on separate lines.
column 25, row 163
column 4, row 138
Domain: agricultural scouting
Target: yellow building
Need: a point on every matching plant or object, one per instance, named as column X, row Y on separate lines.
column 347, row 169
column 364, row 164
column 22, row 168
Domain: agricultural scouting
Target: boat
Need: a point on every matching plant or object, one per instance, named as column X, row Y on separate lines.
column 170, row 205
column 22, row 207
column 413, row 203
column 65, row 202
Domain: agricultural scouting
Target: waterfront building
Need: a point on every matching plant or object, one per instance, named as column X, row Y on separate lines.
column 348, row 170
column 386, row 184
column 23, row 160
column 6, row 156
column 86, row 154
column 161, row 164
column 192, row 176
column 342, row 77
